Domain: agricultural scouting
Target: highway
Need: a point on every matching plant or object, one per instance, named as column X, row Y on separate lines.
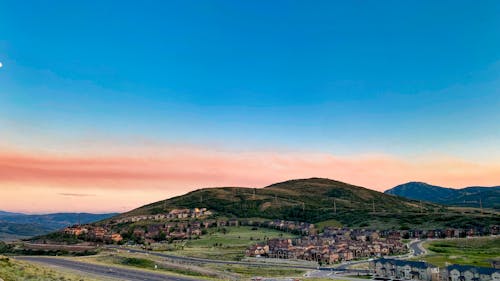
column 136, row 274
column 208, row 261
column 342, row 267
column 105, row 271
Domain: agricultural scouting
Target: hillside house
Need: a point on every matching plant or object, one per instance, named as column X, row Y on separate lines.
column 75, row 230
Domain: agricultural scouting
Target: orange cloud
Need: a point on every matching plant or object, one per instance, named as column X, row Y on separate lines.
column 172, row 171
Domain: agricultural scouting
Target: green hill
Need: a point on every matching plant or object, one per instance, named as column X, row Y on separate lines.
column 317, row 200
column 474, row 196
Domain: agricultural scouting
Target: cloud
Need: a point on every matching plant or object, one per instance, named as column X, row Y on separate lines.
column 179, row 170
column 76, row 194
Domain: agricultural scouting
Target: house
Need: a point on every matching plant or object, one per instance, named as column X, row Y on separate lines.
column 257, row 250
column 139, row 232
column 115, row 237
column 75, row 230
column 404, row 270
column 469, row 273
column 98, row 233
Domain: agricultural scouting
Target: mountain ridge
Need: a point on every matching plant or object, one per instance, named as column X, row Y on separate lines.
column 18, row 225
column 472, row 196
column 315, row 200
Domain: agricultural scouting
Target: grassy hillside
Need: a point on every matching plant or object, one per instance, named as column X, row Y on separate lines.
column 477, row 251
column 475, row 196
column 14, row 270
column 13, row 231
column 229, row 243
column 316, row 200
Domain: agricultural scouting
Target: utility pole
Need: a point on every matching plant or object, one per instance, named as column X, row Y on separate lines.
column 334, row 206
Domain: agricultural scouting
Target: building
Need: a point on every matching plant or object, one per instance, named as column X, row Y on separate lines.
column 76, row 230
column 469, row 273
column 404, row 270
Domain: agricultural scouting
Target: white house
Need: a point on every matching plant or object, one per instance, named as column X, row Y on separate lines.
column 469, row 273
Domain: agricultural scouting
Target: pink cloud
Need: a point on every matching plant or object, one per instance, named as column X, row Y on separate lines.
column 167, row 172
column 203, row 167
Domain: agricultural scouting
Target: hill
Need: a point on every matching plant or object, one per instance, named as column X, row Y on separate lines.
column 3, row 213
column 17, row 226
column 317, row 200
column 475, row 196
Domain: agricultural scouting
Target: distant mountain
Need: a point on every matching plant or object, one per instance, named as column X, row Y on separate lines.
column 14, row 231
column 474, row 196
column 3, row 213
column 18, row 226
column 318, row 200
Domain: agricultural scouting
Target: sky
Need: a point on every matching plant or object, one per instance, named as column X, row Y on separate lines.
column 109, row 105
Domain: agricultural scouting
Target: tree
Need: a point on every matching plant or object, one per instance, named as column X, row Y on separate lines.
column 4, row 247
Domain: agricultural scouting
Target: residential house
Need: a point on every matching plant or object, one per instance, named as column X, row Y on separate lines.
column 469, row 273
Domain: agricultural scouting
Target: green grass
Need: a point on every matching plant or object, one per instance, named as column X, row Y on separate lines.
column 328, row 223
column 227, row 245
column 476, row 251
column 151, row 263
column 249, row 271
column 138, row 262
column 313, row 200
column 13, row 270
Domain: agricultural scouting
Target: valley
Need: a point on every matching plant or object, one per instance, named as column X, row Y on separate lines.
column 277, row 231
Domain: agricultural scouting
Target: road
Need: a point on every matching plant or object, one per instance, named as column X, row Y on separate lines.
column 417, row 247
column 105, row 271
column 209, row 261
column 252, row 264
column 200, row 260
column 135, row 274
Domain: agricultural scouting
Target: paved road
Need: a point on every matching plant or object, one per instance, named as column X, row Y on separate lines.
column 209, row 261
column 105, row 271
column 417, row 247
column 342, row 267
column 345, row 266
column 252, row 264
column 416, row 250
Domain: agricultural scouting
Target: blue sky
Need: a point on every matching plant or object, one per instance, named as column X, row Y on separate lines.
column 340, row 77
column 156, row 98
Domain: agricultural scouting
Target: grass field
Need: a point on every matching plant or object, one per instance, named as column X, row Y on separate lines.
column 229, row 244
column 474, row 251
column 328, row 223
column 13, row 270
column 248, row 271
column 151, row 264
